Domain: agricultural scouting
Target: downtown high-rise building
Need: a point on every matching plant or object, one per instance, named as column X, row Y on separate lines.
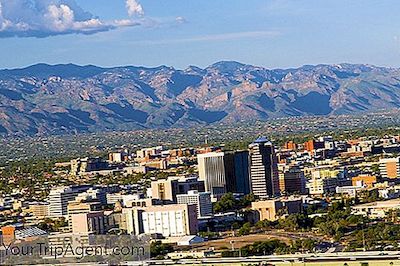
column 264, row 179
column 212, row 171
column 237, row 171
column 224, row 172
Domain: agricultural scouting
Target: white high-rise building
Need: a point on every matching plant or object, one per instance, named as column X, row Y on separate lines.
column 202, row 200
column 60, row 197
column 212, row 172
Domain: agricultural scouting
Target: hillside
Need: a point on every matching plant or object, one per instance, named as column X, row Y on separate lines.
column 45, row 99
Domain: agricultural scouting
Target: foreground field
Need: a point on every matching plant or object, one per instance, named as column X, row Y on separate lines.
column 241, row 241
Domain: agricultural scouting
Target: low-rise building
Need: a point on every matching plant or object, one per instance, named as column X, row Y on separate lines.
column 377, row 209
column 148, row 152
column 189, row 240
column 29, row 233
column 83, row 165
column 272, row 209
column 350, row 191
column 325, row 180
column 364, row 180
column 38, row 209
column 191, row 254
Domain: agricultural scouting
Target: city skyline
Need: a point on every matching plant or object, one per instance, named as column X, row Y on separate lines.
column 150, row 33
column 214, row 132
column 294, row 187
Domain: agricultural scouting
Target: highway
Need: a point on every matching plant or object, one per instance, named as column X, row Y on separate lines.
column 293, row 258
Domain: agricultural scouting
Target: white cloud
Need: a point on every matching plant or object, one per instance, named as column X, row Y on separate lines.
column 180, row 20
column 59, row 18
column 134, row 8
column 126, row 22
column 4, row 23
column 43, row 18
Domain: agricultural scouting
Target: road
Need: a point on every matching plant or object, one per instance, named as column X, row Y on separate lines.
column 388, row 258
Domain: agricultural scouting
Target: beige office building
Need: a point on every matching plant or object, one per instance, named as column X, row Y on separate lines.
column 39, row 209
column 92, row 222
column 390, row 167
column 167, row 189
column 77, row 207
column 272, row 209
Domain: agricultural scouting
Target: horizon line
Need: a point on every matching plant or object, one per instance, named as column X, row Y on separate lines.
column 189, row 66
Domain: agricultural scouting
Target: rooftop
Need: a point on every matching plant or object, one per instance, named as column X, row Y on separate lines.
column 29, row 232
column 261, row 139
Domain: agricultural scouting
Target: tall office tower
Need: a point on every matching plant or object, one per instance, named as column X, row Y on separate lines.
column 263, row 169
column 60, row 197
column 237, row 172
column 212, row 171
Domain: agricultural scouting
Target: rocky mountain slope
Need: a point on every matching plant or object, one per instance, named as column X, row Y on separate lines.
column 43, row 99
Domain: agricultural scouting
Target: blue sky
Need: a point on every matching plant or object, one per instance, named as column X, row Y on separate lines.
column 270, row 33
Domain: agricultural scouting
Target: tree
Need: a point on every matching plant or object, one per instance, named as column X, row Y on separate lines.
column 247, row 200
column 294, row 222
column 303, row 245
column 208, row 235
column 226, row 203
column 229, row 203
column 264, row 248
column 159, row 249
column 245, row 229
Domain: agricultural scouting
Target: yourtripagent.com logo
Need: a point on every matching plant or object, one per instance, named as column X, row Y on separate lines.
column 73, row 248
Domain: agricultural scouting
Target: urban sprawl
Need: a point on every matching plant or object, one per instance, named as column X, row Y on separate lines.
column 321, row 196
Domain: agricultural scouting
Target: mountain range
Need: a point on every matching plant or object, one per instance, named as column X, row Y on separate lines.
column 56, row 99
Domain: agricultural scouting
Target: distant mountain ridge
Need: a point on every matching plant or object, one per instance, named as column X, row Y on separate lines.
column 46, row 99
